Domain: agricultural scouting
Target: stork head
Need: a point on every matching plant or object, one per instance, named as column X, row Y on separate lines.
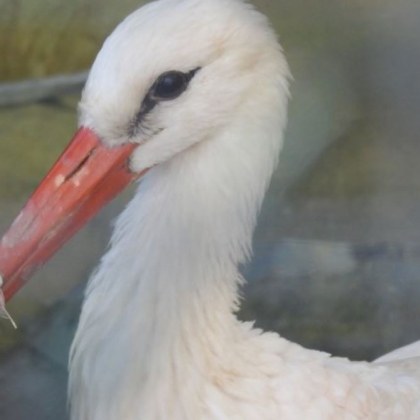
column 174, row 73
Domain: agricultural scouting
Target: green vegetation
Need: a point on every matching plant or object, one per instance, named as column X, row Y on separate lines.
column 31, row 139
column 54, row 36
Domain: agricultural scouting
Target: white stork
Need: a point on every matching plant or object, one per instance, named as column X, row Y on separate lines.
column 192, row 96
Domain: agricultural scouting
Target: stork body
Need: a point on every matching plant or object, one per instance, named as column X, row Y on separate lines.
column 158, row 338
column 199, row 88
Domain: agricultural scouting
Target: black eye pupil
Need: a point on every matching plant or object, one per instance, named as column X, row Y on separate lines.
column 167, row 86
column 170, row 85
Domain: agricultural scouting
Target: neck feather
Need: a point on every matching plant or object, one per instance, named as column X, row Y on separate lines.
column 167, row 289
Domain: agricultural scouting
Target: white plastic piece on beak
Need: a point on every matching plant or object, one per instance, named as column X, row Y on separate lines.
column 3, row 310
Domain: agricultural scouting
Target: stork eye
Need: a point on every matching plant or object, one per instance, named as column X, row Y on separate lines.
column 170, row 85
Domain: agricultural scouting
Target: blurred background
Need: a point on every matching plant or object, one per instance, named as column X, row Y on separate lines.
column 337, row 249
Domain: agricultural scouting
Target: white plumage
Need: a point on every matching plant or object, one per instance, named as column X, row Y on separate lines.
column 158, row 338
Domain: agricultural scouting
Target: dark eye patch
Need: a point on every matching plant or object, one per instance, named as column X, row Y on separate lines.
column 168, row 86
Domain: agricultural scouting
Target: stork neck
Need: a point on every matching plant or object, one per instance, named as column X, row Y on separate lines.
column 164, row 295
column 176, row 248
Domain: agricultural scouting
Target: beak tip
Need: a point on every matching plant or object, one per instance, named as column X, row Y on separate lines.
column 3, row 311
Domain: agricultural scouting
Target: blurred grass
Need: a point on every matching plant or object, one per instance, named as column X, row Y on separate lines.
column 38, row 135
column 336, row 176
column 49, row 37
column 34, row 46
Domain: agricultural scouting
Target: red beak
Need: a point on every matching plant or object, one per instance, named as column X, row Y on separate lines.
column 86, row 177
